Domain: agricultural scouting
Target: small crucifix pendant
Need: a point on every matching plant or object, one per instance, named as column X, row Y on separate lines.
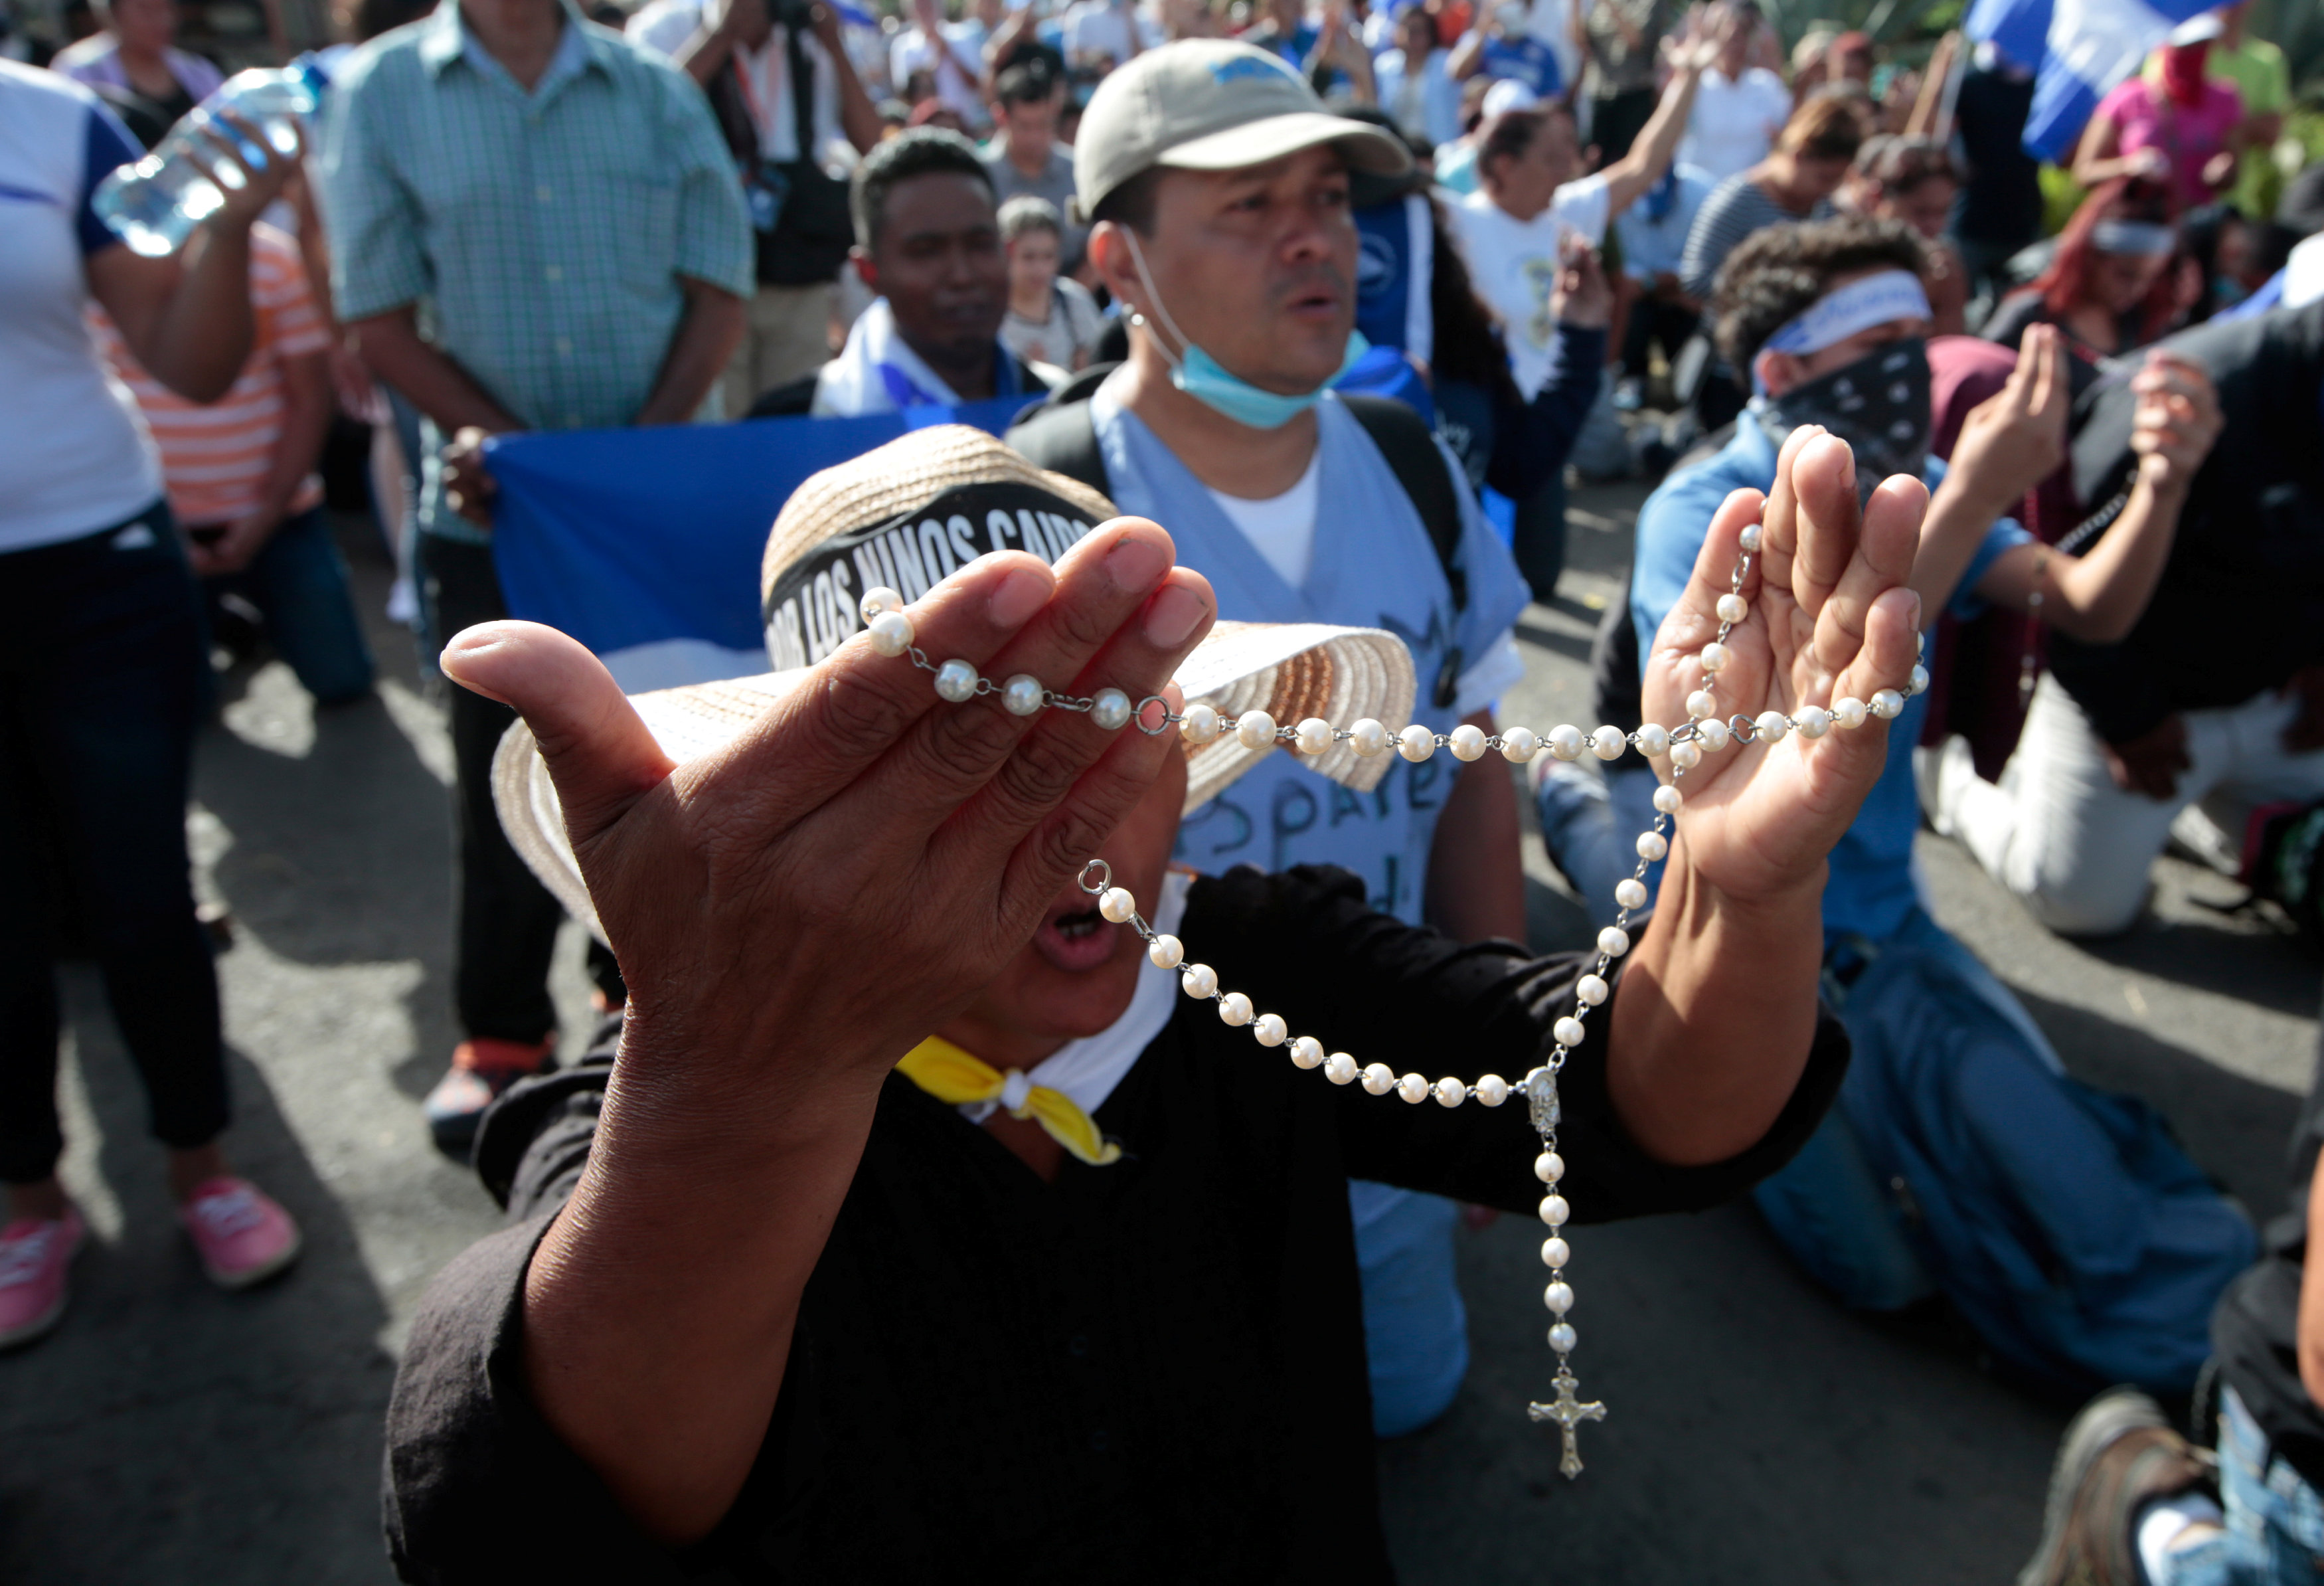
column 1568, row 1412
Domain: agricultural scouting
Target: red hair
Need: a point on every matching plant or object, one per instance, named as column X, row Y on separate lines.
column 2064, row 285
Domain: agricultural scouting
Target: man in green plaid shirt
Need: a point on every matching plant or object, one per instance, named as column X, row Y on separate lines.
column 533, row 226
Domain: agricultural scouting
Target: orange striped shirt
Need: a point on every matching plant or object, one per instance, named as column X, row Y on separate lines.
column 215, row 458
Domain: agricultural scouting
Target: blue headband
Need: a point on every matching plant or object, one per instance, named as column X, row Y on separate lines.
column 1875, row 300
column 2145, row 238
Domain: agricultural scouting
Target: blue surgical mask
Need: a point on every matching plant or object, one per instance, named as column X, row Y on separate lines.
column 1211, row 383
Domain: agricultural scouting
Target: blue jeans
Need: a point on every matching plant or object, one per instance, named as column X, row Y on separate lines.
column 299, row 582
column 100, row 672
column 2274, row 1534
column 1415, row 1328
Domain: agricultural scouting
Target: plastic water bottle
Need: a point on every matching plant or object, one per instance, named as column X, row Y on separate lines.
column 155, row 203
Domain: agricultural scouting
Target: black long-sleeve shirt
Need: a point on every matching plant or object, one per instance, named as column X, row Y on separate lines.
column 2240, row 606
column 1147, row 1371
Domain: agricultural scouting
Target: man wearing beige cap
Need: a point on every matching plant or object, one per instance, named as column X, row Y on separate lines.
column 1217, row 187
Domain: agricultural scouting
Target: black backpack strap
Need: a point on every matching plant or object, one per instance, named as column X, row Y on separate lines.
column 1059, row 435
column 1409, row 445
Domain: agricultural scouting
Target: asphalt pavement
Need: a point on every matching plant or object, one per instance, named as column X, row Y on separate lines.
column 1756, row 1433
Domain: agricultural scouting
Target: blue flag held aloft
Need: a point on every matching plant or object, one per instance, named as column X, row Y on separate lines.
column 2079, row 50
column 645, row 544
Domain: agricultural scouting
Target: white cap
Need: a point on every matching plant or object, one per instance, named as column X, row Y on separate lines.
column 2197, row 30
column 1211, row 104
column 1508, row 94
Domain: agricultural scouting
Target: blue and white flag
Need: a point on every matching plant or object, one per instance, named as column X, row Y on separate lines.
column 2079, row 49
column 645, row 544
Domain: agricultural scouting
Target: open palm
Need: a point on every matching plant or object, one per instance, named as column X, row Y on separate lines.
column 1829, row 618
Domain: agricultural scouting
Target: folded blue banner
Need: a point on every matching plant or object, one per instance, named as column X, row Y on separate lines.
column 644, row 544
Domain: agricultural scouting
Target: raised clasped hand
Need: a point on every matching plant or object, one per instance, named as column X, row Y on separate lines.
column 803, row 906
column 1829, row 618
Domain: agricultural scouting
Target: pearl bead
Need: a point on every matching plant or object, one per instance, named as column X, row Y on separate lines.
column 1413, row 1089
column 1109, row 709
column 1022, row 695
column 1566, row 742
column 1613, row 941
column 1668, row 800
column 1166, row 952
column 1653, row 846
column 1378, row 1078
column 1255, row 729
column 1306, row 1052
column 1559, row 1297
column 1312, row 736
column 1234, row 1009
column 1752, row 537
column 1701, row 703
column 1654, row 741
column 1270, row 1029
column 1812, row 721
column 1520, row 744
column 1339, row 1068
column 1608, row 743
column 1549, row 1168
column 1116, row 904
column 879, row 599
column 1713, row 733
column 1920, row 683
column 1555, row 1252
column 1200, row 980
column 1569, row 1031
column 1555, row 1211
column 1733, row 608
column 1415, row 742
column 1847, row 713
column 1887, row 704
column 1200, row 724
column 955, row 681
column 1467, row 741
column 1630, row 892
column 891, row 632
column 1561, row 1338
column 1368, row 737
column 1772, row 726
column 1715, row 657
column 1492, row 1089
column 1450, row 1092
column 1593, row 988
column 1686, row 756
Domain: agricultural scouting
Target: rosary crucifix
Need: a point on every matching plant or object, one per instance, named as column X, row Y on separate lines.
column 1568, row 1412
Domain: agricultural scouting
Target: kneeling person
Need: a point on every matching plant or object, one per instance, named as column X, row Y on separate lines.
column 1079, row 1265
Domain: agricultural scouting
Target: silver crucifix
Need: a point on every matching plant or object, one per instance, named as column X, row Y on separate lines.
column 1568, row 1412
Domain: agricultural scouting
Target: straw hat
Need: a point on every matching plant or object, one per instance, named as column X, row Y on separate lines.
column 910, row 513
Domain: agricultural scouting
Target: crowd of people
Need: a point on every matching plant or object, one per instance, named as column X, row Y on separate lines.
column 1334, row 297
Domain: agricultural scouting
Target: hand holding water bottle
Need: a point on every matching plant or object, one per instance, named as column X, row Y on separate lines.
column 223, row 163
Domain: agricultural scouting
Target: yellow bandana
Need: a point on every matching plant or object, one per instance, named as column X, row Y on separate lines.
column 953, row 1075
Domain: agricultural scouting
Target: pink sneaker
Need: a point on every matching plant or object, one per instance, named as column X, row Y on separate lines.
column 242, row 1236
column 33, row 1255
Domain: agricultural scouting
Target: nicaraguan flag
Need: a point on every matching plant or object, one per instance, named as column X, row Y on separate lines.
column 2079, row 49
column 645, row 544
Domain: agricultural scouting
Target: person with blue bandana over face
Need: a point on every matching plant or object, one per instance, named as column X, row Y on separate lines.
column 1217, row 184
column 2066, row 1225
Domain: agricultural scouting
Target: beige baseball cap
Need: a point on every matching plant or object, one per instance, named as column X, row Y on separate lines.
column 1211, row 104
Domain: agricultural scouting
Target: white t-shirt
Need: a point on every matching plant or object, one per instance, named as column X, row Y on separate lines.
column 1513, row 263
column 1097, row 27
column 76, row 458
column 1281, row 527
column 956, row 60
column 665, row 25
column 1733, row 124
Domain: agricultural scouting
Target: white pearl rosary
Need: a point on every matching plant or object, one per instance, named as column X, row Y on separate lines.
column 892, row 634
